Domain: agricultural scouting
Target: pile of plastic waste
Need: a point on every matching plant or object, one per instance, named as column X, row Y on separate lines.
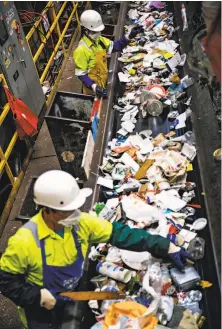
column 144, row 176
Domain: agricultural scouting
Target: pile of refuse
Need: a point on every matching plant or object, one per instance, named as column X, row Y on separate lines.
column 144, row 177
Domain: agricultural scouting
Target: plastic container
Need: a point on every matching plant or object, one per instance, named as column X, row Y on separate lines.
column 162, row 318
column 166, row 281
column 196, row 248
column 114, row 271
column 155, row 277
column 174, row 102
column 146, row 96
column 155, row 108
column 99, row 281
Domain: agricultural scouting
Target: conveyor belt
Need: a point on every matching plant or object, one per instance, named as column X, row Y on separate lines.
column 206, row 267
column 109, row 125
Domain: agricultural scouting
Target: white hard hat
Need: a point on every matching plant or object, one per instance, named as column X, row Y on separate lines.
column 59, row 190
column 92, row 20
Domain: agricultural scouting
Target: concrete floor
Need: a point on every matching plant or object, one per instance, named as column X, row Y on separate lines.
column 43, row 159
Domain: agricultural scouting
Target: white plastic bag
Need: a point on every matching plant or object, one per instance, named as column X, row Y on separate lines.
column 114, row 255
column 167, row 306
column 152, row 285
column 139, row 211
column 133, row 14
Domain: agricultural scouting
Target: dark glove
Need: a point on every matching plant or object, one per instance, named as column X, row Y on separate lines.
column 100, row 92
column 136, row 30
column 178, row 256
column 62, row 300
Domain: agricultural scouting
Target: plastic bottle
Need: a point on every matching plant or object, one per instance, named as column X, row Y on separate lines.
column 166, row 281
column 190, row 138
column 155, row 277
column 196, row 248
column 114, row 271
column 174, row 102
column 162, row 318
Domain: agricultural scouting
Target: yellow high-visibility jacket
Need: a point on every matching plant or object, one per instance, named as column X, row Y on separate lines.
column 84, row 55
column 23, row 256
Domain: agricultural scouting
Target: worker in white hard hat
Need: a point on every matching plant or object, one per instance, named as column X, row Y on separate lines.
column 45, row 257
column 90, row 56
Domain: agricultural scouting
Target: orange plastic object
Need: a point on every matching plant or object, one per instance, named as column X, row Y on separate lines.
column 26, row 121
column 121, row 149
column 198, row 206
column 173, row 230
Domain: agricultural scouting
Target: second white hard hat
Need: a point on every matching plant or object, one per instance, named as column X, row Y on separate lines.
column 92, row 20
column 59, row 190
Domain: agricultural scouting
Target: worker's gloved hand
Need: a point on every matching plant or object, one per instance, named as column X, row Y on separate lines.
column 100, row 92
column 178, row 256
column 61, row 300
column 136, row 30
column 47, row 300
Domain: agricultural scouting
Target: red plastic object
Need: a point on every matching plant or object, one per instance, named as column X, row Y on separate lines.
column 26, row 121
column 160, row 94
column 95, row 109
column 173, row 230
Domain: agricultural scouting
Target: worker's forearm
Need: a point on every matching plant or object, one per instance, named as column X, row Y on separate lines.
column 15, row 287
column 124, row 237
column 120, row 44
column 86, row 80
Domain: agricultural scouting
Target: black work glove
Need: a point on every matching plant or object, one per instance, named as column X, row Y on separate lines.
column 136, row 30
column 100, row 92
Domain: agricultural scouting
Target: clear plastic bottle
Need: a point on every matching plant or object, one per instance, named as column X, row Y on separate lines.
column 174, row 103
column 155, row 277
column 190, row 138
column 196, row 248
column 166, row 281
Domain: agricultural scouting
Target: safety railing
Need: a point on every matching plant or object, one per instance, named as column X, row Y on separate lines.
column 5, row 155
column 51, row 38
column 12, row 161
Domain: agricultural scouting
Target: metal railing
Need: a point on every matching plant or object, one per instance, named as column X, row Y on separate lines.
column 51, row 39
column 53, row 33
column 11, row 179
column 5, row 155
